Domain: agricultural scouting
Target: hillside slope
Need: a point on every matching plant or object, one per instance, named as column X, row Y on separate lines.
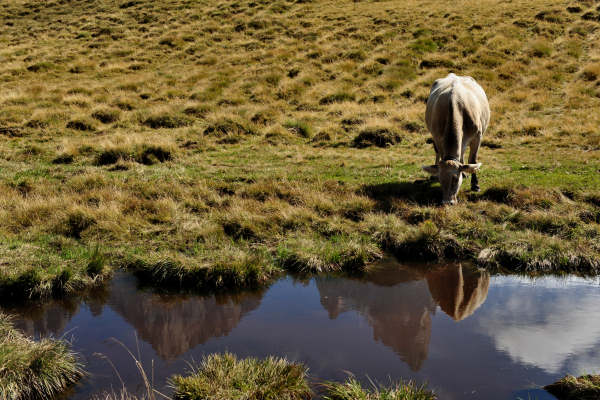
column 215, row 143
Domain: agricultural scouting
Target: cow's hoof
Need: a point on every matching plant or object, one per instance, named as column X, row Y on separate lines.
column 475, row 188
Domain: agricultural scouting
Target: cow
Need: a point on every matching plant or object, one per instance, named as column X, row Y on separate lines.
column 457, row 115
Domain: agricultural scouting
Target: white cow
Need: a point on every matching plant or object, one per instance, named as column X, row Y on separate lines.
column 457, row 115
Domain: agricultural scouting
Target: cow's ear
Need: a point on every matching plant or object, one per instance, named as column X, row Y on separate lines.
column 470, row 168
column 431, row 169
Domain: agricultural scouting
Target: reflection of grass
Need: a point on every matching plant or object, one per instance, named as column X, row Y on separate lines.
column 32, row 370
column 352, row 390
column 179, row 148
column 220, row 377
column 586, row 387
column 150, row 393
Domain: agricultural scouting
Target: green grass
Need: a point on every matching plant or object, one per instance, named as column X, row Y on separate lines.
column 586, row 387
column 34, row 370
column 158, row 133
column 224, row 377
column 352, row 390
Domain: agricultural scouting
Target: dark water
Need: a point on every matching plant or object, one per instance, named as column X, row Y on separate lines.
column 469, row 335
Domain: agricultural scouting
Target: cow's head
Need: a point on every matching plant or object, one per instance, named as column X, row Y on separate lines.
column 451, row 173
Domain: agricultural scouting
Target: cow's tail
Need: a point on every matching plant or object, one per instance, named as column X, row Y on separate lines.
column 453, row 133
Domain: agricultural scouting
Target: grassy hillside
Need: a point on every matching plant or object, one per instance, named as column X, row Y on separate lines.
column 217, row 143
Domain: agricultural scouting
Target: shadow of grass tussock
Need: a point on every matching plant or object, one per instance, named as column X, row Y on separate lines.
column 520, row 197
column 380, row 137
column 168, row 120
column 229, row 127
column 34, row 370
column 225, row 376
column 106, row 115
column 586, row 387
column 352, row 390
column 421, row 192
column 143, row 154
column 81, row 124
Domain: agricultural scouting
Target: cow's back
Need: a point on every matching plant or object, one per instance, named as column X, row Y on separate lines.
column 457, row 91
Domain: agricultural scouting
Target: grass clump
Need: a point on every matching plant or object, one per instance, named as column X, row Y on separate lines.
column 106, row 115
column 35, row 271
column 299, row 128
column 541, row 48
column 63, row 159
column 34, row 370
column 81, row 124
column 111, row 156
column 230, row 268
column 167, row 120
column 97, row 263
column 221, row 127
column 223, row 376
column 144, row 154
column 426, row 242
column 337, row 98
column 591, row 72
column 339, row 253
column 75, row 223
column 380, row 137
column 41, row 66
column 585, row 387
column 352, row 390
column 523, row 257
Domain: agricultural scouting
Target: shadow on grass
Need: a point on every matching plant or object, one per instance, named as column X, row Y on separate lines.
column 424, row 192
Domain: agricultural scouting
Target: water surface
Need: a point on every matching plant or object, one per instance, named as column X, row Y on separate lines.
column 468, row 335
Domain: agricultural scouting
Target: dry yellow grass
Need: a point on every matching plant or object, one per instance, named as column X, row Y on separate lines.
column 215, row 141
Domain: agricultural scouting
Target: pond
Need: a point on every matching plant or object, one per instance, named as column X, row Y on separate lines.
column 467, row 334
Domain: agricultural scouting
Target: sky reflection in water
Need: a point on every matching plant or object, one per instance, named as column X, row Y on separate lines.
column 469, row 335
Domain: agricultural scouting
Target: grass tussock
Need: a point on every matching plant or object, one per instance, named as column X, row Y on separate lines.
column 586, row 387
column 167, row 120
column 220, row 377
column 380, row 137
column 146, row 154
column 347, row 254
column 233, row 269
column 425, row 242
column 106, row 115
column 34, row 370
column 352, row 390
column 76, row 269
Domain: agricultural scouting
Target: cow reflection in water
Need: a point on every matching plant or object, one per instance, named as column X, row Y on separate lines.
column 459, row 291
column 398, row 302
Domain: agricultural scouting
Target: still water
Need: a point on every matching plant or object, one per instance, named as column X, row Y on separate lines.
column 467, row 334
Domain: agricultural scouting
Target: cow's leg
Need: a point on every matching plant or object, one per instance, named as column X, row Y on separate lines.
column 437, row 154
column 474, row 149
column 437, row 161
column 462, row 158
